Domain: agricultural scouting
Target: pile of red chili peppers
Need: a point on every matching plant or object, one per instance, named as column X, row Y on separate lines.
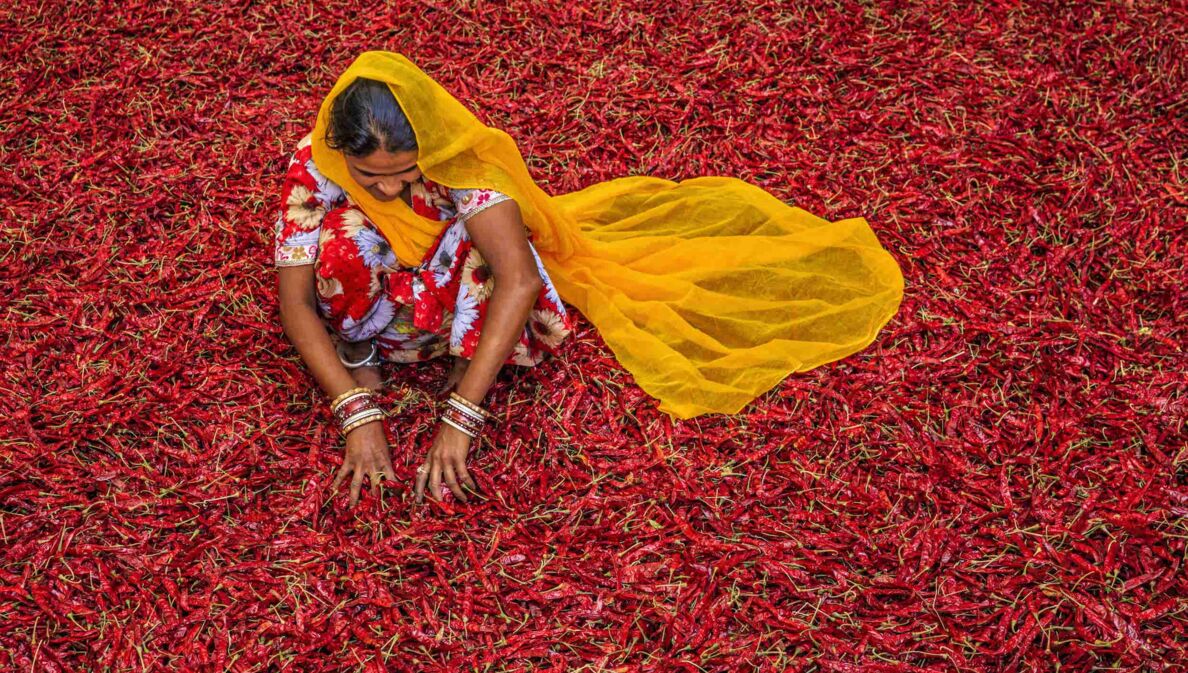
column 998, row 483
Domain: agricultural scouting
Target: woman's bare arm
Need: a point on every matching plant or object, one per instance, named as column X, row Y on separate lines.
column 367, row 452
column 498, row 234
column 308, row 332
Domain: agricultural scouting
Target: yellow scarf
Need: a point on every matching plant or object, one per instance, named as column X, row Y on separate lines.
column 709, row 291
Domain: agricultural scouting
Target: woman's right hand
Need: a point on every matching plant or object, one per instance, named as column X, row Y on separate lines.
column 367, row 456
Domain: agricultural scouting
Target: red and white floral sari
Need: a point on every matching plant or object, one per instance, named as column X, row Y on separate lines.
column 417, row 313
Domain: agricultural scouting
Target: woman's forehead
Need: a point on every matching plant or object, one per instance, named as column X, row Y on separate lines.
column 381, row 161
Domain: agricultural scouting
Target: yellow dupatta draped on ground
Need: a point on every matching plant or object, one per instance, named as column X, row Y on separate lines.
column 709, row 291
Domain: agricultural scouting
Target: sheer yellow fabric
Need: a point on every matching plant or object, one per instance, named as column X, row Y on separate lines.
column 709, row 291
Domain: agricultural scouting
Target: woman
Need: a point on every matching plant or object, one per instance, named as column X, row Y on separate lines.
column 482, row 279
column 414, row 231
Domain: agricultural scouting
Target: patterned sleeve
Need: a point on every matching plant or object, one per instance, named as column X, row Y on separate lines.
column 470, row 202
column 306, row 195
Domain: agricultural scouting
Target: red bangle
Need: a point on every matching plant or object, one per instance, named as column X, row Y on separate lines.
column 354, row 406
column 462, row 419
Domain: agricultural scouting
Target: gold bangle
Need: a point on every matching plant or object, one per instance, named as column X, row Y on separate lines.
column 342, row 397
column 348, row 392
column 353, row 427
column 364, row 413
column 488, row 415
column 354, row 405
column 362, row 422
column 358, row 402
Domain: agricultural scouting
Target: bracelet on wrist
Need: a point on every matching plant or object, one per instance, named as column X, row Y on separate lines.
column 462, row 419
column 462, row 423
column 348, row 394
column 346, row 431
column 365, row 413
column 463, row 402
column 362, row 419
column 354, row 406
column 459, row 428
column 464, row 411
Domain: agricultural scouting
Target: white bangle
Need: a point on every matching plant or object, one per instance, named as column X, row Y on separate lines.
column 366, row 393
column 458, row 427
column 470, row 413
column 359, row 415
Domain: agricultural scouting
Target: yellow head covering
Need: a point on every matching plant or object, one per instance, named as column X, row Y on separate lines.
column 709, row 291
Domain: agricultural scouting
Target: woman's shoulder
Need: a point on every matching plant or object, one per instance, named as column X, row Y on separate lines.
column 303, row 152
column 302, row 169
column 463, row 202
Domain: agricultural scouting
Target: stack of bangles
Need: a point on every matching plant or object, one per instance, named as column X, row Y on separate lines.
column 355, row 407
column 464, row 415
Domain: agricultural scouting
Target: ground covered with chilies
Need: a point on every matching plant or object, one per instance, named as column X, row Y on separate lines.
column 998, row 483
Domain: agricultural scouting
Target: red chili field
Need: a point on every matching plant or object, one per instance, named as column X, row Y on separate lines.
column 998, row 483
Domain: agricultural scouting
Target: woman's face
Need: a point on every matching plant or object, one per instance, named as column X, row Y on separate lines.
column 384, row 174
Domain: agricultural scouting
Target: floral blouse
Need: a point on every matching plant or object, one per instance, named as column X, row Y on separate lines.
column 446, row 294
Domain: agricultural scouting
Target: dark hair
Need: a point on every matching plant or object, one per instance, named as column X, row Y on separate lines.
column 366, row 117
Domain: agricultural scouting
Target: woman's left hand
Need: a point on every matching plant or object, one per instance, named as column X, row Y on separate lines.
column 446, row 463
